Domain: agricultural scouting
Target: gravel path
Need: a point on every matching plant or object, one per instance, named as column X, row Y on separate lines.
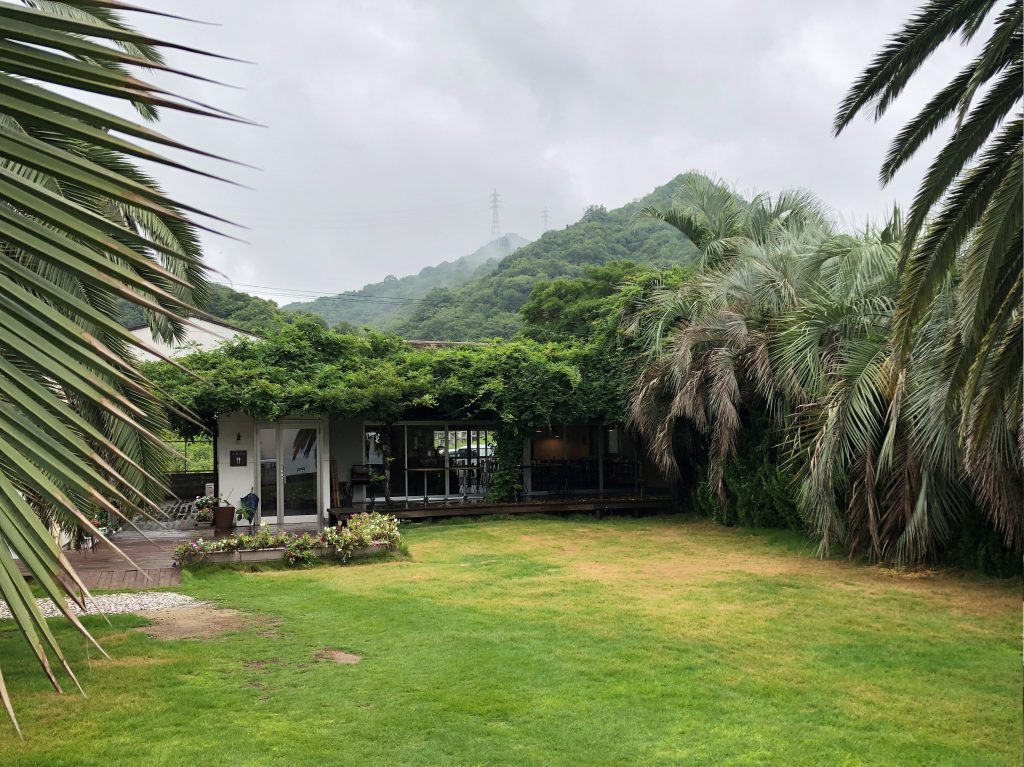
column 129, row 602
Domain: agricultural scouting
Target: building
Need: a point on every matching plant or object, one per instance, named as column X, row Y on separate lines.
column 202, row 335
column 302, row 467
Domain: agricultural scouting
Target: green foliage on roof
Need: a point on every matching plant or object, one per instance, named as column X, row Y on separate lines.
column 304, row 367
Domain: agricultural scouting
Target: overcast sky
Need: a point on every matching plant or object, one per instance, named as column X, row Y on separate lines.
column 389, row 123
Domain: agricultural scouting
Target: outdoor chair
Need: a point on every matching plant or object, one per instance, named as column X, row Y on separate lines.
column 345, row 489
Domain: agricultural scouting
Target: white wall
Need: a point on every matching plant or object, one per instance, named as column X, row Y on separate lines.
column 236, row 481
column 202, row 335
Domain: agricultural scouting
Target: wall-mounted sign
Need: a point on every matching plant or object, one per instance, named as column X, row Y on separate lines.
column 238, row 458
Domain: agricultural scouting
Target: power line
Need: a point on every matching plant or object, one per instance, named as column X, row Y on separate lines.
column 495, row 224
column 302, row 291
column 314, row 294
column 297, row 295
column 357, row 218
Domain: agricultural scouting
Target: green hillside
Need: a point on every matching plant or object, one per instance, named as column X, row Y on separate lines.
column 235, row 308
column 358, row 308
column 481, row 295
column 488, row 306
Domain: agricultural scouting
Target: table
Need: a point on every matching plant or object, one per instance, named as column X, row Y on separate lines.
column 425, row 470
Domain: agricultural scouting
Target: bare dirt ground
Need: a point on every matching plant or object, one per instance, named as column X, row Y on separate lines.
column 203, row 622
column 338, row 656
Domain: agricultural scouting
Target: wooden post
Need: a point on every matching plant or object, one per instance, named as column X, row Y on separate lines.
column 334, row 480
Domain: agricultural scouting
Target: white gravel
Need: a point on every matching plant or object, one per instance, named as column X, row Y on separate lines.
column 127, row 602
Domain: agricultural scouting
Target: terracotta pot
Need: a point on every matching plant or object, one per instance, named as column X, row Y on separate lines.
column 224, row 517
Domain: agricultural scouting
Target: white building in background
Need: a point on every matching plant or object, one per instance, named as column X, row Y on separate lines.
column 202, row 335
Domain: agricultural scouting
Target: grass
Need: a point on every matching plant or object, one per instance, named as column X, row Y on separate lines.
column 554, row 642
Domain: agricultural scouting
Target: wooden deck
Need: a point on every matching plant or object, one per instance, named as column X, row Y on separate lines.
column 538, row 505
column 104, row 568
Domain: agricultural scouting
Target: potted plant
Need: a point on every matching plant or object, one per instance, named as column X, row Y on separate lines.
column 204, row 515
column 209, row 509
column 301, row 550
column 223, row 515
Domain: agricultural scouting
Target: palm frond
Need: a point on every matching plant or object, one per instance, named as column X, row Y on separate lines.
column 81, row 227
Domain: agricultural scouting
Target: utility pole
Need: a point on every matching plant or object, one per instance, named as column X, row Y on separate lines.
column 495, row 224
column 544, row 213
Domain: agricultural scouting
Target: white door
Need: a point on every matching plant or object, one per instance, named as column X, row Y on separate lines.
column 289, row 472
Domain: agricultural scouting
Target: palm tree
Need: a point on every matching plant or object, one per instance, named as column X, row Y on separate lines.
column 794, row 320
column 81, row 228
column 966, row 220
column 708, row 341
column 879, row 464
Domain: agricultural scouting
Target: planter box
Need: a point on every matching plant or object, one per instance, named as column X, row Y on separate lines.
column 324, row 552
column 373, row 548
column 220, row 557
column 260, row 555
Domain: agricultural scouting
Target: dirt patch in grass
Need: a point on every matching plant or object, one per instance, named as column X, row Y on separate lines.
column 338, row 656
column 195, row 622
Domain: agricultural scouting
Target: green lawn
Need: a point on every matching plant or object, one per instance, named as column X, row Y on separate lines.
column 554, row 642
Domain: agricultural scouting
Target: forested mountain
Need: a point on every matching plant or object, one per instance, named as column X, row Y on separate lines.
column 235, row 308
column 481, row 295
column 488, row 305
column 357, row 307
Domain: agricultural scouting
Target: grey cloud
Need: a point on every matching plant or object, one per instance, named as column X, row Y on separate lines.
column 390, row 122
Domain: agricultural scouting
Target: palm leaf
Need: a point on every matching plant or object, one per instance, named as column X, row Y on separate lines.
column 81, row 227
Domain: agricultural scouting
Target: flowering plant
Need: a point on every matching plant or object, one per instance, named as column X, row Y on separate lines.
column 207, row 501
column 373, row 528
column 191, row 551
column 299, row 549
column 264, row 539
column 363, row 530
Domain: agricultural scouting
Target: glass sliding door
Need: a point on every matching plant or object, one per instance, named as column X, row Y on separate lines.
column 268, row 473
column 431, row 461
column 427, row 459
column 469, row 462
column 300, row 476
column 289, row 473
